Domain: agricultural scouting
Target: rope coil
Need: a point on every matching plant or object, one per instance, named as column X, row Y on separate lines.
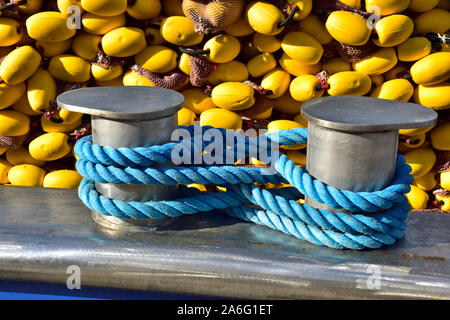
column 370, row 220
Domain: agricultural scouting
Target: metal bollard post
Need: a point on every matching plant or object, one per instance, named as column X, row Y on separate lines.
column 128, row 117
column 352, row 141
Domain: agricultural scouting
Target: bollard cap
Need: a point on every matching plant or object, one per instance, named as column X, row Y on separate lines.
column 365, row 114
column 124, row 103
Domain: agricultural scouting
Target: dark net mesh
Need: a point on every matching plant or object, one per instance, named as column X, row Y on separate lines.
column 12, row 142
column 213, row 15
column 174, row 80
column 327, row 6
column 262, row 104
column 4, row 51
column 356, row 53
column 201, row 68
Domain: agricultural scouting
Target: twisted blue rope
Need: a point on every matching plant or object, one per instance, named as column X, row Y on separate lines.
column 275, row 208
column 150, row 156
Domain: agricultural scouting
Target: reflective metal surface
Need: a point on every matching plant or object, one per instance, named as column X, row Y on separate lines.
column 347, row 161
column 128, row 117
column 131, row 102
column 130, row 134
column 44, row 231
column 365, row 114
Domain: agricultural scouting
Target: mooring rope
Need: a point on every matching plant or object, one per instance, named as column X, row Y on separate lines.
column 367, row 220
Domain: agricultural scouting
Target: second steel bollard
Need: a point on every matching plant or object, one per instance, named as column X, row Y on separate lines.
column 352, row 141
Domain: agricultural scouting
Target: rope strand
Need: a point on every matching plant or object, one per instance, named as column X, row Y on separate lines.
column 368, row 220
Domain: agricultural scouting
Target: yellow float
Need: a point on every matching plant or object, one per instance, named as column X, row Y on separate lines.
column 124, row 42
column 100, row 25
column 197, row 101
column 436, row 96
column 157, row 59
column 414, row 49
column 19, row 65
column 63, row 179
column 393, row 30
column 180, row 31
column 302, row 47
column 22, row 156
column 305, row 87
column 50, row 146
column 10, row 32
column 421, row 161
column 10, row 94
column 431, row 69
column 440, row 137
column 233, row 96
column 221, row 118
column 105, row 7
column 49, row 26
column 417, row 198
column 397, row 89
column 41, row 90
column 349, row 83
column 13, row 123
column 348, row 27
column 261, row 64
column 70, row 68
column 26, row 175
column 377, row 63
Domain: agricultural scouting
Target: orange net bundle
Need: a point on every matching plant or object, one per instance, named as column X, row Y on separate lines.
column 213, row 15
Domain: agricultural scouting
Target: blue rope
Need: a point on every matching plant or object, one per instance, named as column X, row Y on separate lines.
column 367, row 220
column 147, row 157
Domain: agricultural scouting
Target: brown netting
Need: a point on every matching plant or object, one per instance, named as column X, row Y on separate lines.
column 26, row 39
column 282, row 4
column 201, row 68
column 328, row 6
column 288, row 28
column 35, row 130
column 66, row 163
column 45, row 63
column 411, row 14
column 107, row 62
column 12, row 142
column 356, row 53
column 330, row 50
column 442, row 163
column 174, row 79
column 211, row 16
column 248, row 123
column 4, row 51
column 62, row 86
column 262, row 104
column 442, row 192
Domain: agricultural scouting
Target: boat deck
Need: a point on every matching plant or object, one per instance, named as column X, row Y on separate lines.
column 45, row 231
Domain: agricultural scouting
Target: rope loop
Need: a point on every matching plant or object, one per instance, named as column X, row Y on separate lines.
column 363, row 219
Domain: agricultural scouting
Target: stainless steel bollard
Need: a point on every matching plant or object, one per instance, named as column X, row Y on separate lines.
column 352, row 141
column 128, row 117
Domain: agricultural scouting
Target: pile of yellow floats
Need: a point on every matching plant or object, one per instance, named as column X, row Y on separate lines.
column 253, row 67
